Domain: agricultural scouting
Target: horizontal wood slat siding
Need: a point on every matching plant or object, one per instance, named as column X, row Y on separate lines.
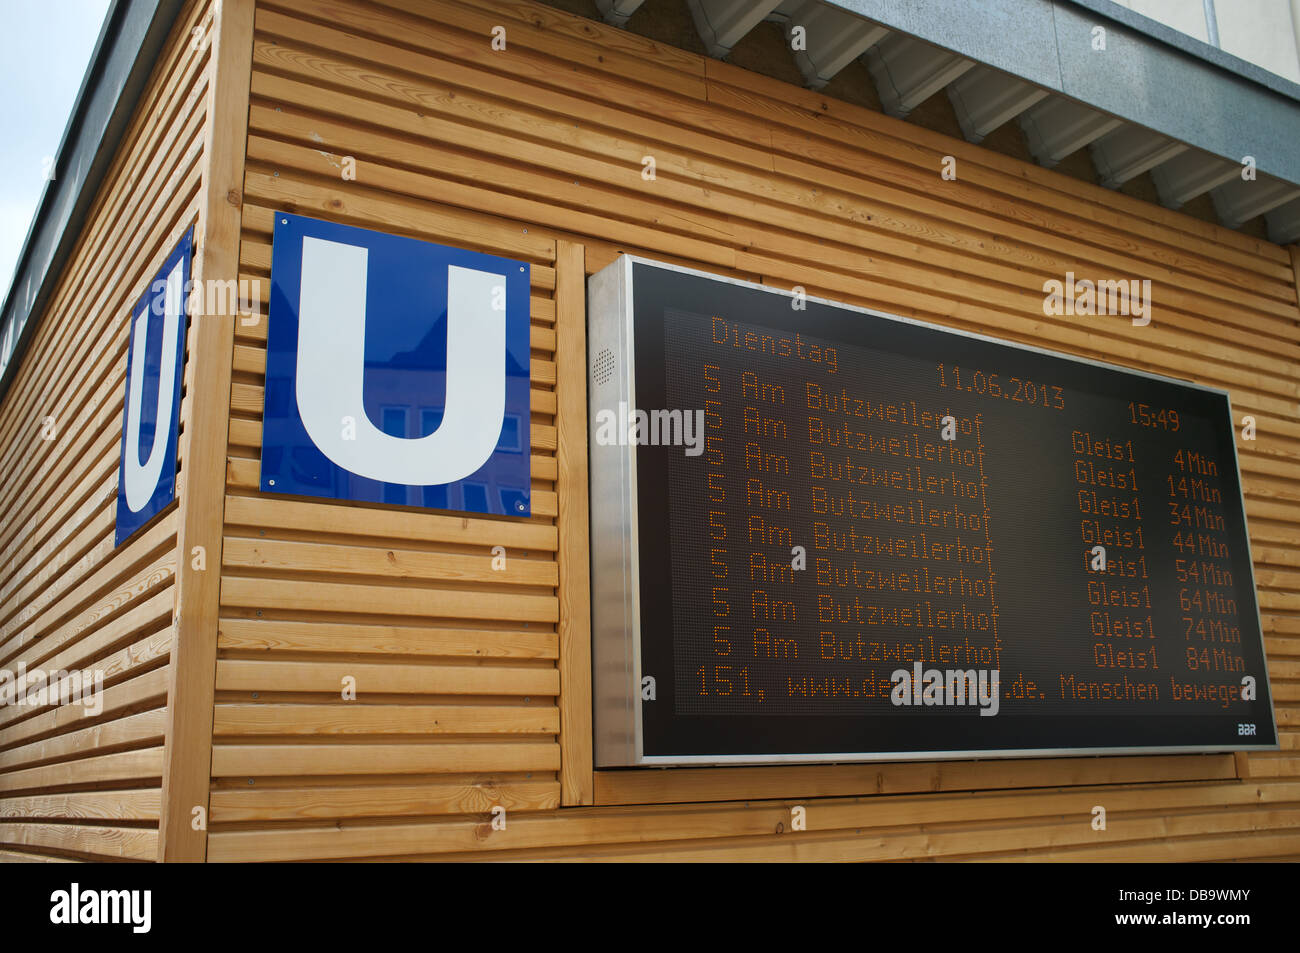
column 73, row 784
column 455, row 662
column 537, row 148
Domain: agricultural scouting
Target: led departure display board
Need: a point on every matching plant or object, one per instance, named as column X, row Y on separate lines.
column 821, row 533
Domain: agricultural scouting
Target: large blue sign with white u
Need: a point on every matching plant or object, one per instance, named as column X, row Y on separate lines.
column 151, row 414
column 397, row 371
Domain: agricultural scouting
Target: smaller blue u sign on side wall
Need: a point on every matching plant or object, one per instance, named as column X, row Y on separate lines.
column 397, row 371
column 151, row 415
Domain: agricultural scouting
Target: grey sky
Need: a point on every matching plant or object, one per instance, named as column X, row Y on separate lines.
column 45, row 48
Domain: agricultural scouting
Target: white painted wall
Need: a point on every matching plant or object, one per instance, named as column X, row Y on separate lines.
column 1263, row 32
column 1185, row 16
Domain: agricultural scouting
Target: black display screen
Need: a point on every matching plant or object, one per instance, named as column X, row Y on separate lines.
column 885, row 540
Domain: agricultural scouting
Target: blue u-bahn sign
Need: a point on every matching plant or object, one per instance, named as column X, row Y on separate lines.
column 397, row 371
column 151, row 415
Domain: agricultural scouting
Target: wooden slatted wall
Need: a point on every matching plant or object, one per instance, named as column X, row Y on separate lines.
column 74, row 785
column 529, row 152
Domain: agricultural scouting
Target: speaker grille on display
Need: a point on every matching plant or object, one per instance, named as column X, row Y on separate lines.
column 602, row 368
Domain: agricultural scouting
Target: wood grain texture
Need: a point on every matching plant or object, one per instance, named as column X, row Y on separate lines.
column 537, row 155
column 1294, row 251
column 187, row 764
column 78, row 783
column 472, row 683
column 575, row 587
column 454, row 659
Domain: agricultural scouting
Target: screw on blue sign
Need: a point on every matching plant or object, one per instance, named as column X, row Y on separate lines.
column 397, row 371
column 151, row 413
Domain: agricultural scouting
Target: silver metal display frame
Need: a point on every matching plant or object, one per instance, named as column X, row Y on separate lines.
column 615, row 549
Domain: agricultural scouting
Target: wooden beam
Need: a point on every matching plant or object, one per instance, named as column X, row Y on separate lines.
column 187, row 761
column 577, row 781
column 1295, row 268
column 694, row 785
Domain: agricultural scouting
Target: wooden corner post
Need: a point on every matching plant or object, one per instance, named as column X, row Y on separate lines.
column 191, row 683
column 577, row 782
column 1294, row 251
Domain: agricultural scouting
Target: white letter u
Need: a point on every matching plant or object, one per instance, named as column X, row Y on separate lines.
column 140, row 480
column 331, row 369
